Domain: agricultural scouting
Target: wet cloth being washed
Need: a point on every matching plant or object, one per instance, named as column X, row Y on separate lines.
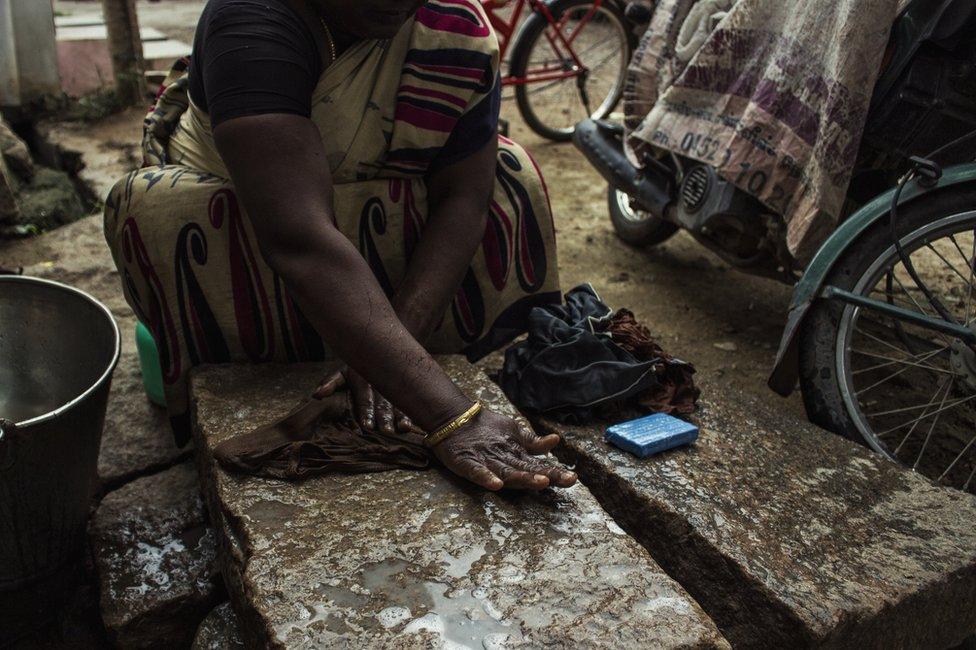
column 320, row 437
column 773, row 94
column 580, row 359
column 386, row 110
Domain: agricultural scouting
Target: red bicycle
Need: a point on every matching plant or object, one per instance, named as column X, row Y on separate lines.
column 568, row 60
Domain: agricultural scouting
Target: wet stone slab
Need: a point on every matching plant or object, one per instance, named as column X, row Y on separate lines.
column 417, row 559
column 137, row 439
column 219, row 630
column 154, row 555
column 792, row 537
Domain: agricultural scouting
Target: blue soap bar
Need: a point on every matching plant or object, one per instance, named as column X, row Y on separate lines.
column 651, row 434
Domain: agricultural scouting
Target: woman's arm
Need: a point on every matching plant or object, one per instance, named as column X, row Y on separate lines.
column 457, row 196
column 280, row 171
column 457, row 200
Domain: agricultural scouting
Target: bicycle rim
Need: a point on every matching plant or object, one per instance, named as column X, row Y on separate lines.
column 601, row 44
column 910, row 391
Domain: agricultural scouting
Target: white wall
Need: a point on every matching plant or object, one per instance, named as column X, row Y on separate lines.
column 28, row 53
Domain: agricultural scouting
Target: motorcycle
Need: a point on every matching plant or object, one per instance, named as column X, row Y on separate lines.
column 881, row 332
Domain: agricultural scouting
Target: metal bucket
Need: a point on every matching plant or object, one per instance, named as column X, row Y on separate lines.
column 58, row 348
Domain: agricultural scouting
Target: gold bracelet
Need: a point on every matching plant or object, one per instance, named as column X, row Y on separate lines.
column 446, row 431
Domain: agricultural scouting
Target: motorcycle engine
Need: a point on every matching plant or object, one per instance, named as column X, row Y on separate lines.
column 730, row 222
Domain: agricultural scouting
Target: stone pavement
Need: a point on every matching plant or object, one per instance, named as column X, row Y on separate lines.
column 219, row 630
column 154, row 555
column 790, row 536
column 418, row 559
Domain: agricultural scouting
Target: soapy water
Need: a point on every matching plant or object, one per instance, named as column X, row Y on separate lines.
column 393, row 616
column 461, row 618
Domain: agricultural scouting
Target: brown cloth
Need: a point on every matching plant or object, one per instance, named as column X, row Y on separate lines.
column 320, row 437
column 676, row 391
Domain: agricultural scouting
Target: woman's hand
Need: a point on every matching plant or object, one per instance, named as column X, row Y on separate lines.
column 373, row 411
column 494, row 451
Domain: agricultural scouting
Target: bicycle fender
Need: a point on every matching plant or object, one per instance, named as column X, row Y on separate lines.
column 786, row 370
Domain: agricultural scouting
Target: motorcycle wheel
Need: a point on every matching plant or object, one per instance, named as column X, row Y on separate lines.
column 901, row 389
column 601, row 40
column 636, row 227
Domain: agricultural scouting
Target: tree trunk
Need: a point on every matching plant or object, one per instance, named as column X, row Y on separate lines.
column 126, row 49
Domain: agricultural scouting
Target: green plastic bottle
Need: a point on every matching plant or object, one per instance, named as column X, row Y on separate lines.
column 152, row 373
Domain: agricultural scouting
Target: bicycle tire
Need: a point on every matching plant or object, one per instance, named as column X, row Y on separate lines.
column 532, row 30
column 820, row 378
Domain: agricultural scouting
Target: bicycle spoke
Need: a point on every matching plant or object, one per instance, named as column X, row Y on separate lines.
column 951, row 266
column 906, row 408
column 971, row 263
column 915, row 422
column 886, row 343
column 958, row 457
column 891, row 376
column 965, row 486
column 915, row 361
column 904, row 361
column 921, row 452
column 961, row 400
column 917, row 304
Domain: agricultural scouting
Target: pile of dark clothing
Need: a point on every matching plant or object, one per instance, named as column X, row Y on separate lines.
column 583, row 361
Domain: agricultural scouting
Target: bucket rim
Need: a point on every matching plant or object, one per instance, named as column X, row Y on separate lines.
column 105, row 376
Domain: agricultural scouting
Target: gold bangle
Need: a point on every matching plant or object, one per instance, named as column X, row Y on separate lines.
column 446, row 431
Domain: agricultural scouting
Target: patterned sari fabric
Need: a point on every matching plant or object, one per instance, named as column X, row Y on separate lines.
column 187, row 254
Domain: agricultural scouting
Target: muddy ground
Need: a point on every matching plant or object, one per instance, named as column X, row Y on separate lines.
column 725, row 322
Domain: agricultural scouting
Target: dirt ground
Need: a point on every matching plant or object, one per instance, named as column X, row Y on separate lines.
column 725, row 322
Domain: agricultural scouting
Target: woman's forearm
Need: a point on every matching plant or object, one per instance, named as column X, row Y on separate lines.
column 280, row 170
column 454, row 230
column 458, row 199
column 338, row 293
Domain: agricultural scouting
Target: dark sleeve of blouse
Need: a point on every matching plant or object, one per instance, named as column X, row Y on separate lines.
column 472, row 131
column 256, row 57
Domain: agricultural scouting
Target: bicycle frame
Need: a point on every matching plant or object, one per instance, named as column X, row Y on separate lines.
column 561, row 44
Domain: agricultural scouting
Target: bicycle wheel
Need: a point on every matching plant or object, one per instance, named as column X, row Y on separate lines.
column 904, row 390
column 599, row 38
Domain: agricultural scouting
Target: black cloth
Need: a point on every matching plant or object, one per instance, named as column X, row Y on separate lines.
column 569, row 365
column 257, row 57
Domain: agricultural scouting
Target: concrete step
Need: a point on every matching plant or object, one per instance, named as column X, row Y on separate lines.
column 791, row 536
column 98, row 32
column 84, row 62
column 420, row 559
column 79, row 20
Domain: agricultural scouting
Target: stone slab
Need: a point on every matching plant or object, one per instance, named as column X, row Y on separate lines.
column 137, row 439
column 790, row 536
column 219, row 630
column 154, row 555
column 418, row 559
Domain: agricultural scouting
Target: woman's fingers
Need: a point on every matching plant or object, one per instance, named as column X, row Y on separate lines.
column 383, row 413
column 330, row 385
column 534, row 443
column 405, row 424
column 477, row 474
column 558, row 476
column 517, row 479
column 362, row 404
